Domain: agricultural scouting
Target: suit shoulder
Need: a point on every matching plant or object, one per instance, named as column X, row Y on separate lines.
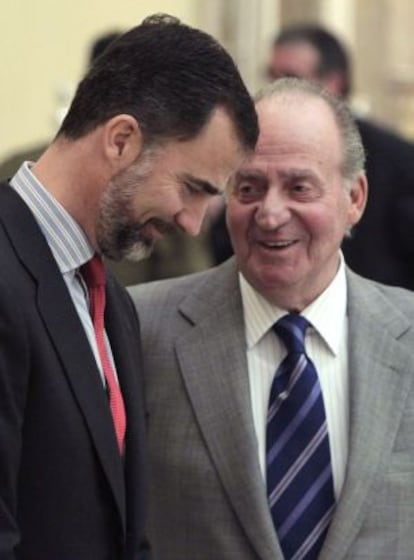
column 162, row 292
column 399, row 297
column 202, row 290
column 388, row 301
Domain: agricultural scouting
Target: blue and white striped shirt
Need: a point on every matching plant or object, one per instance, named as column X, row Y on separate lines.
column 67, row 241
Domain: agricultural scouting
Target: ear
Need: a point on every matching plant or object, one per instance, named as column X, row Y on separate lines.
column 334, row 82
column 123, row 141
column 358, row 193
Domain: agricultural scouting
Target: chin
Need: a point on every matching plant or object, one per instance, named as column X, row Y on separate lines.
column 271, row 281
column 139, row 252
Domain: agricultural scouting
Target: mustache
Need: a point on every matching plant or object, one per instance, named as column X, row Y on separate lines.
column 127, row 234
column 162, row 226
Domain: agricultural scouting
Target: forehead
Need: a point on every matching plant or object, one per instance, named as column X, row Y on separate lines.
column 294, row 59
column 211, row 156
column 297, row 129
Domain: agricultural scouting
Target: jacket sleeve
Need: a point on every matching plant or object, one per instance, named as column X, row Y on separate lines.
column 14, row 374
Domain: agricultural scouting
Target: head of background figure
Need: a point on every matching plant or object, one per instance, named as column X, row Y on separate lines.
column 313, row 53
column 170, row 77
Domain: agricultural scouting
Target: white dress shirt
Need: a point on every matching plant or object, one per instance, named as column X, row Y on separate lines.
column 326, row 345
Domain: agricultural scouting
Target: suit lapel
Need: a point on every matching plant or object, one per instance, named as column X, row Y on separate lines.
column 126, row 350
column 214, row 369
column 379, row 385
column 66, row 335
column 124, row 345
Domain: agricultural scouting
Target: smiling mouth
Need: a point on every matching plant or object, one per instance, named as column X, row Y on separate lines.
column 277, row 244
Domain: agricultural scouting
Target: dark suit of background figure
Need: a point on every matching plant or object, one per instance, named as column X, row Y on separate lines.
column 381, row 246
column 10, row 165
column 63, row 478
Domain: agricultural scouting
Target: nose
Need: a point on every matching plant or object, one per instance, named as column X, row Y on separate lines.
column 190, row 219
column 272, row 211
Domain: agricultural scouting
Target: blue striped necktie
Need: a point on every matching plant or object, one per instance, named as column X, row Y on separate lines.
column 299, row 472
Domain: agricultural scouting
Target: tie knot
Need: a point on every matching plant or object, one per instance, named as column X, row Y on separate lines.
column 93, row 272
column 291, row 329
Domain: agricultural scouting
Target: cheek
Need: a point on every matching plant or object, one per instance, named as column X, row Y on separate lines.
column 156, row 204
column 237, row 219
column 326, row 222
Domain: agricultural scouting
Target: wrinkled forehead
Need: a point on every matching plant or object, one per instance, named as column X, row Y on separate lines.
column 299, row 124
column 296, row 108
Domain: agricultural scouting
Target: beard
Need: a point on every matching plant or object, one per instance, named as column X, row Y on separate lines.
column 119, row 234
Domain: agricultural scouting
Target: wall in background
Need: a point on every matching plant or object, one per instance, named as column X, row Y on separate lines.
column 44, row 50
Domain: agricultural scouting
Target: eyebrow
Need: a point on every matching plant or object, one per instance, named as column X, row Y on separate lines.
column 288, row 174
column 249, row 174
column 201, row 185
column 299, row 174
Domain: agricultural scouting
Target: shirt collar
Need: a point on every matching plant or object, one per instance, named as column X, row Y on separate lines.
column 65, row 237
column 326, row 313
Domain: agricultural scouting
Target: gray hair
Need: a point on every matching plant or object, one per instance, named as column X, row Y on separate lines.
column 353, row 160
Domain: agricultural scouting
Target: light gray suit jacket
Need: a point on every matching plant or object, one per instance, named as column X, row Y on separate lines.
column 208, row 499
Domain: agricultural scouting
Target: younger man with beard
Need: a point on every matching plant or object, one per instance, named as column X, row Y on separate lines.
column 146, row 142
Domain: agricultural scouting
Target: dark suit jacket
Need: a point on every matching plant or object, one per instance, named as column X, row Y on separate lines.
column 65, row 493
column 381, row 247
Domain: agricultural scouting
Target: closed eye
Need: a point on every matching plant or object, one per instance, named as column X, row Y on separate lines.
column 193, row 188
column 199, row 186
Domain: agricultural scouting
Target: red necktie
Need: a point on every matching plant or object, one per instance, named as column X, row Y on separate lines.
column 94, row 275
